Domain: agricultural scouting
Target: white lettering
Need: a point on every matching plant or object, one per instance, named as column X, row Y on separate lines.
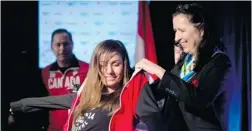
column 71, row 82
column 50, row 83
column 54, row 83
column 67, row 82
column 92, row 116
column 60, row 82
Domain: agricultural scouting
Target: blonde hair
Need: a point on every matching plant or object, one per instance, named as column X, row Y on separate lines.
column 92, row 91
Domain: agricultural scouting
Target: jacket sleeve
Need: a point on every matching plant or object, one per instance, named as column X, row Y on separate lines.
column 210, row 84
column 40, row 103
column 149, row 107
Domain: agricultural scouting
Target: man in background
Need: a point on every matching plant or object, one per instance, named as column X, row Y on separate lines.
column 60, row 77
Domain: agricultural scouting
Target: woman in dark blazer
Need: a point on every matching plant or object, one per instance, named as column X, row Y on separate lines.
column 194, row 95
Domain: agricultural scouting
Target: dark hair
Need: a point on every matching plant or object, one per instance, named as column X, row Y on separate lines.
column 201, row 19
column 61, row 30
column 195, row 13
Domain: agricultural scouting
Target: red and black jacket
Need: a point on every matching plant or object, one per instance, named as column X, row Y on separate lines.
column 61, row 82
column 169, row 104
column 124, row 118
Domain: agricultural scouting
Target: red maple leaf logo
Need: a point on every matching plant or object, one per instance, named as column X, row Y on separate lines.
column 195, row 83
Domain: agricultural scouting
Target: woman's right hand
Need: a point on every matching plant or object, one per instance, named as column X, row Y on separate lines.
column 178, row 52
column 11, row 112
column 11, row 119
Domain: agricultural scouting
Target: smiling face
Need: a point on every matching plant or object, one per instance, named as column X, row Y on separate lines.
column 112, row 69
column 62, row 47
column 186, row 33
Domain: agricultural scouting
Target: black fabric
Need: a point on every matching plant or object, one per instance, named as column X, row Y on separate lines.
column 209, row 80
column 73, row 63
column 157, row 110
column 232, row 20
column 234, row 24
column 37, row 105
column 187, row 107
column 41, row 103
column 94, row 120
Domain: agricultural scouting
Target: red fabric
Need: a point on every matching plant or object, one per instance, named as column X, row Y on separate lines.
column 145, row 31
column 56, row 86
column 195, row 82
column 130, row 95
column 68, row 124
column 122, row 120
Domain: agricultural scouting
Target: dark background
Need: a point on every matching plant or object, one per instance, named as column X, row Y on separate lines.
column 21, row 75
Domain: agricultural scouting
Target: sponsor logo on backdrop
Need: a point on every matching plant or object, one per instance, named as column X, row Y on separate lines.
column 113, row 3
column 98, row 14
column 84, row 3
column 97, row 32
column 46, row 3
column 45, row 22
column 46, row 33
column 98, row 23
column 58, row 14
column 126, row 43
column 125, row 3
column 72, row 23
column 58, row 22
column 112, row 23
column 125, row 13
column 126, row 33
column 46, row 42
column 85, row 33
column 84, row 14
column 125, row 23
column 70, row 3
column 46, row 13
column 84, row 42
column 47, row 51
column 73, row 33
column 89, row 27
column 111, row 33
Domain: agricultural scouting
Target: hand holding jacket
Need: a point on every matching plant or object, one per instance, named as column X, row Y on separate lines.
column 197, row 104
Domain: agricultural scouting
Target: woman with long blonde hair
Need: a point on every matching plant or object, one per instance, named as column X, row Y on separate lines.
column 109, row 71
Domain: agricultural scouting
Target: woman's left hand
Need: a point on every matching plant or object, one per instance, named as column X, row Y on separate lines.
column 150, row 67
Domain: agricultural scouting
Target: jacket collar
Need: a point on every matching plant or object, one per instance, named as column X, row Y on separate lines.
column 74, row 63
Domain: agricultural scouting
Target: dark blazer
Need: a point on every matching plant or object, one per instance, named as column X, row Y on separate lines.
column 200, row 104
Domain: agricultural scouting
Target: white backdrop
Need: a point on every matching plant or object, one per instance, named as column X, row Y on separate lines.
column 90, row 23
